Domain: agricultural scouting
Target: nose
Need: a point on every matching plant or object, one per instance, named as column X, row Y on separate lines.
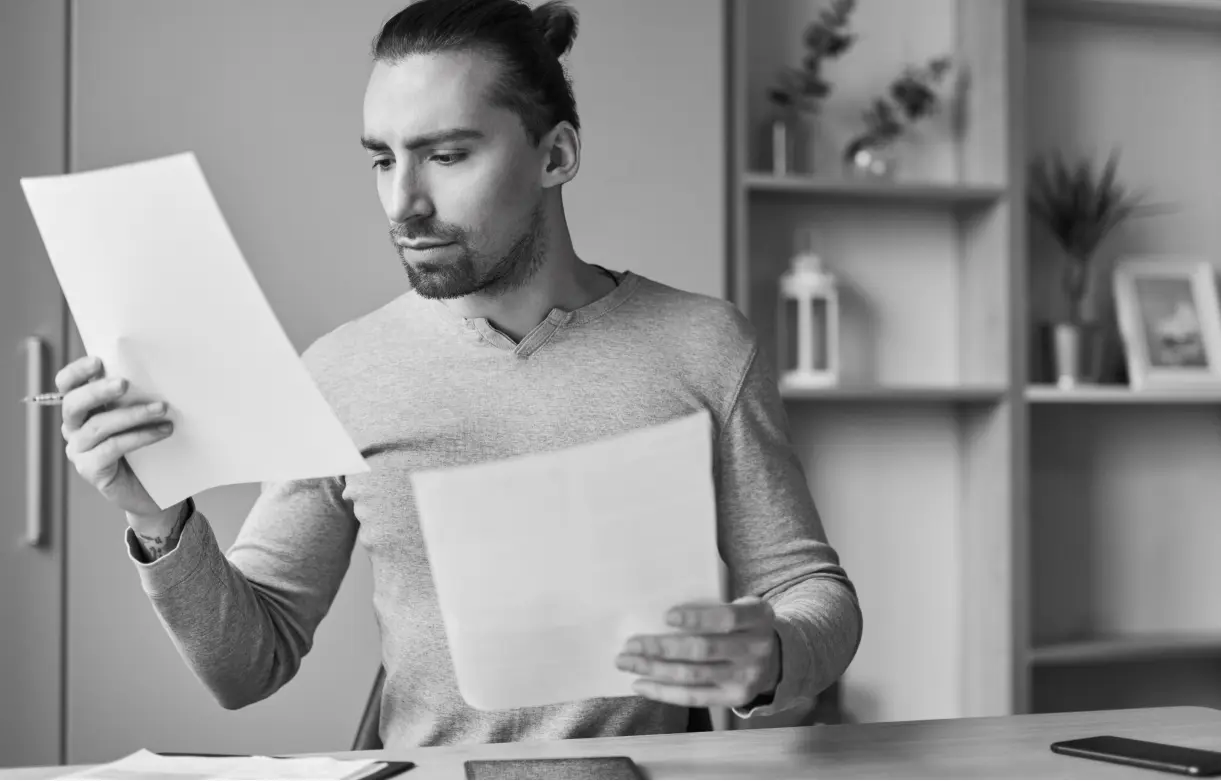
column 408, row 197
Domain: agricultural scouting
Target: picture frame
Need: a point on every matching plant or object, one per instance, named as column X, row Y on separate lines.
column 1169, row 322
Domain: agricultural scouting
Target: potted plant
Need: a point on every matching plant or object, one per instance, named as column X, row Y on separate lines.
column 911, row 98
column 1079, row 207
column 798, row 91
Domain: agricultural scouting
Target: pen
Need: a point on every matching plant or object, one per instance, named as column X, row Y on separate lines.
column 45, row 399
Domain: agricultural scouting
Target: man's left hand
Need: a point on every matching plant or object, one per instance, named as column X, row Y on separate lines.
column 726, row 655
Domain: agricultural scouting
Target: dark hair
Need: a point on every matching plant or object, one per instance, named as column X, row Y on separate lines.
column 527, row 43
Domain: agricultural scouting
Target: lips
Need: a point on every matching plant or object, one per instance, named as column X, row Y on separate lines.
column 418, row 247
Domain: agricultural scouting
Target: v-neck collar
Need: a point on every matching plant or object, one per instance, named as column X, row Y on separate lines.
column 557, row 318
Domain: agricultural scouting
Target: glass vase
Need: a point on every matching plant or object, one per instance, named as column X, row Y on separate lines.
column 868, row 159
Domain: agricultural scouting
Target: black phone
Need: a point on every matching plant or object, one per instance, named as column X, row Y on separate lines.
column 1142, row 753
column 567, row 767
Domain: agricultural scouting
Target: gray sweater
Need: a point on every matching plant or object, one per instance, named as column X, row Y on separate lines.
column 416, row 387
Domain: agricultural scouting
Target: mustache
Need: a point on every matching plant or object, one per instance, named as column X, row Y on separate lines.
column 403, row 232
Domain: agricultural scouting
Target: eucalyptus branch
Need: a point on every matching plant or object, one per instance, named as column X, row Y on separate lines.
column 826, row 38
column 911, row 97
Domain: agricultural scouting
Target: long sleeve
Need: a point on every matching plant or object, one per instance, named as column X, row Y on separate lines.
column 775, row 547
column 244, row 619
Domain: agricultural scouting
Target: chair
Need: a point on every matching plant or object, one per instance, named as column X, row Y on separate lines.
column 368, row 739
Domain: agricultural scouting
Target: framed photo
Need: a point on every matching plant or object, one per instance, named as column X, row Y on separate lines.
column 1170, row 322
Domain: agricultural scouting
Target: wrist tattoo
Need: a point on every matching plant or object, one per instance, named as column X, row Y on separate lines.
column 156, row 546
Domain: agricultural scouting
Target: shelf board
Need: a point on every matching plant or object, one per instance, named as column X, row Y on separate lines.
column 1188, row 12
column 1121, row 394
column 1133, row 648
column 830, row 188
column 898, row 394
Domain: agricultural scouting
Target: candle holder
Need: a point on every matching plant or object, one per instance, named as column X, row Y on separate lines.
column 808, row 320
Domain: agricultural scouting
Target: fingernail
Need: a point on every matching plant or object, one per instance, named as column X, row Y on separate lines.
column 164, row 428
column 675, row 618
column 632, row 647
column 119, row 385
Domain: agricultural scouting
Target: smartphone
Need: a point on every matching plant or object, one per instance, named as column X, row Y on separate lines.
column 1142, row 753
column 568, row 767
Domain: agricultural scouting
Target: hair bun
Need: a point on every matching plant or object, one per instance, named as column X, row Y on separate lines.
column 557, row 21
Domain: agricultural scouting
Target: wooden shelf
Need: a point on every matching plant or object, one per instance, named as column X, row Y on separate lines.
column 1189, row 12
column 899, row 394
column 1133, row 648
column 926, row 262
column 828, row 188
column 1121, row 394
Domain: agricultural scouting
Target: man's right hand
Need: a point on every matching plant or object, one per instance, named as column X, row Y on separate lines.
column 100, row 429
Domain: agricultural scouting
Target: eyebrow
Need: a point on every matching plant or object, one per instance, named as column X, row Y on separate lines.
column 430, row 139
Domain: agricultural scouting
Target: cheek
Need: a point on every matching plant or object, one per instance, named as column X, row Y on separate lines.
column 489, row 203
column 385, row 190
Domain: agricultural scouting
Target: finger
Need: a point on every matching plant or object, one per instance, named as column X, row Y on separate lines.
column 697, row 648
column 685, row 673
column 104, row 456
column 745, row 613
column 84, row 400
column 99, row 427
column 77, row 372
column 704, row 696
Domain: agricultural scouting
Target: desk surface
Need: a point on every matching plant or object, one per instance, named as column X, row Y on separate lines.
column 1003, row 747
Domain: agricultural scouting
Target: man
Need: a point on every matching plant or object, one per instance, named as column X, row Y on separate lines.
column 507, row 343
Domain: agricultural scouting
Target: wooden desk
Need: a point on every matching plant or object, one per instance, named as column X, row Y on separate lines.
column 1007, row 747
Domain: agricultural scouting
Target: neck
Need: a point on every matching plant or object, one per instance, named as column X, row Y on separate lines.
column 562, row 281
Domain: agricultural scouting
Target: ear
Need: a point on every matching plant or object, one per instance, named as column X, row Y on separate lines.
column 561, row 155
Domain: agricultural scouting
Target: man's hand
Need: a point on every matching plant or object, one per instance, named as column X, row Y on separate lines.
column 726, row 655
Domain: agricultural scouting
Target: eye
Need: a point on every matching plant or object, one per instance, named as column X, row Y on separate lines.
column 382, row 163
column 448, row 158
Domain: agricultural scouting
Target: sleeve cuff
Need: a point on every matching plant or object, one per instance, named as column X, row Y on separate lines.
column 794, row 671
column 181, row 564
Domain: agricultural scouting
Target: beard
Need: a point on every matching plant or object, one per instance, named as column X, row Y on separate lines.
column 461, row 275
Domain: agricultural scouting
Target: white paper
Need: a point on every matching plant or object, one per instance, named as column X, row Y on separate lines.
column 546, row 564
column 161, row 293
column 147, row 765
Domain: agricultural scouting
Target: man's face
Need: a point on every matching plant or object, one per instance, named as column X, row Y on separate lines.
column 458, row 177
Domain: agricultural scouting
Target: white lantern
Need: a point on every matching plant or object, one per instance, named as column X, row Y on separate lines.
column 808, row 322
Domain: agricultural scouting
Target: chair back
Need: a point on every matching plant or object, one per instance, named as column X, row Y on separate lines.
column 368, row 734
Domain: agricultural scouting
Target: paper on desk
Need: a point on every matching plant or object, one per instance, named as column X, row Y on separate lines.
column 161, row 292
column 147, row 765
column 545, row 564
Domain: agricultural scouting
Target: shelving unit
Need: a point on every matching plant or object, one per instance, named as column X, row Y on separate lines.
column 831, row 189
column 1016, row 547
column 1103, row 394
column 912, row 458
column 1123, row 484
column 898, row 394
column 1156, row 12
column 1134, row 648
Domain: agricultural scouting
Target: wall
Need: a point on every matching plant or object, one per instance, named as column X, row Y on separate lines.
column 650, row 88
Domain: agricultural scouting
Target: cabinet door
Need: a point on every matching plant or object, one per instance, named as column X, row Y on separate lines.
column 268, row 96
column 32, row 88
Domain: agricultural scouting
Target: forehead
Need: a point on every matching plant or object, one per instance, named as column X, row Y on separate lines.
column 423, row 92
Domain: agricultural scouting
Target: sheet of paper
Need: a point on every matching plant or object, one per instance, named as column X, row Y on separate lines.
column 161, row 292
column 147, row 765
column 545, row 564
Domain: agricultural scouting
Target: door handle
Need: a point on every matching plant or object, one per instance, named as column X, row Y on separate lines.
column 35, row 441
